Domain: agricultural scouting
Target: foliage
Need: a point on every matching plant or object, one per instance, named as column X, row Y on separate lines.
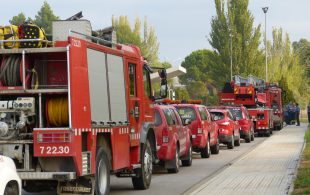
column 302, row 181
column 18, row 20
column 284, row 67
column 147, row 42
column 302, row 47
column 181, row 94
column 45, row 17
column 247, row 58
column 202, row 71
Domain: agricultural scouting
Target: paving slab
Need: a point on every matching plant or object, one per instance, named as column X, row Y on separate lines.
column 268, row 169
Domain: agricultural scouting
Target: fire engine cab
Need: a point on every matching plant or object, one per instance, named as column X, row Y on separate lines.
column 263, row 101
column 76, row 108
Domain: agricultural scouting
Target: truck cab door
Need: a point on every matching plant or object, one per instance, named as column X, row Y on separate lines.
column 134, row 105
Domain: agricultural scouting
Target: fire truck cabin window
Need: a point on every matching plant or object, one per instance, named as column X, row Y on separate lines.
column 132, row 79
column 147, row 83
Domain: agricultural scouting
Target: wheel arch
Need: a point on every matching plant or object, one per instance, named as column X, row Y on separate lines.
column 148, row 132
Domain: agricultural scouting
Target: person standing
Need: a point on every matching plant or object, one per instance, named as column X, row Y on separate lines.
column 308, row 108
column 297, row 114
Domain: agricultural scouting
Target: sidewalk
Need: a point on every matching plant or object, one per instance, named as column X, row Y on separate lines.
column 268, row 169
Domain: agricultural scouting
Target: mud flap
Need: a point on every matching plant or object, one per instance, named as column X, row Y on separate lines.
column 78, row 186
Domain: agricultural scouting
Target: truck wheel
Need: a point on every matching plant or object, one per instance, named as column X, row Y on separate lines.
column 215, row 149
column 176, row 162
column 188, row 159
column 102, row 175
column 206, row 152
column 267, row 133
column 237, row 142
column 11, row 188
column 143, row 180
column 252, row 136
column 231, row 144
column 248, row 138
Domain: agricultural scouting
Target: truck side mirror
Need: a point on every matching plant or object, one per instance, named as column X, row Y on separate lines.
column 163, row 90
column 163, row 85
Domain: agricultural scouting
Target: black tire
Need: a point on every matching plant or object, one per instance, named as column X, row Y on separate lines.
column 176, row 162
column 267, row 133
column 248, row 138
column 252, row 136
column 206, row 151
column 231, row 144
column 11, row 188
column 188, row 159
column 102, row 175
column 143, row 180
column 215, row 149
column 237, row 142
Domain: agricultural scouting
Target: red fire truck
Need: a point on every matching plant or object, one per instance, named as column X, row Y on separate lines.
column 73, row 112
column 263, row 101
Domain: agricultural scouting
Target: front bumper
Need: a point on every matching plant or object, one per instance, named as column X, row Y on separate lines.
column 61, row 176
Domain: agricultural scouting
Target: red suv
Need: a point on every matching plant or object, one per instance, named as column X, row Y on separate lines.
column 204, row 131
column 247, row 127
column 228, row 128
column 173, row 139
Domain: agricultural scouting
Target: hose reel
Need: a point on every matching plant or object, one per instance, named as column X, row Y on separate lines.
column 57, row 112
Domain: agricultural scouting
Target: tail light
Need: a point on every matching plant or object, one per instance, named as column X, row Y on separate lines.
column 165, row 135
column 250, row 91
column 54, row 137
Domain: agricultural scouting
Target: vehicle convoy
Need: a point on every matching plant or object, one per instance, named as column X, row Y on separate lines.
column 263, row 101
column 245, row 122
column 76, row 108
column 173, row 138
column 204, row 131
column 10, row 183
column 229, row 129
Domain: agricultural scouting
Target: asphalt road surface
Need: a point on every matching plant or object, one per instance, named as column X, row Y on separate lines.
column 187, row 178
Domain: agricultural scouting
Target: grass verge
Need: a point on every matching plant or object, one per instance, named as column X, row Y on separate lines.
column 302, row 181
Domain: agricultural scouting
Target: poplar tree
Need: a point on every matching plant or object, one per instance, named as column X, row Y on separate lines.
column 147, row 41
column 235, row 19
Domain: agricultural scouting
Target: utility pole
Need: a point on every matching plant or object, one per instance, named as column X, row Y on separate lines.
column 231, row 74
column 265, row 9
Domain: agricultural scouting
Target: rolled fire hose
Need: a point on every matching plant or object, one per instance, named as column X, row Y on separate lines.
column 57, row 111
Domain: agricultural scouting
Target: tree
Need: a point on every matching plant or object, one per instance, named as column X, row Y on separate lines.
column 181, row 94
column 237, row 21
column 202, row 72
column 18, row 20
column 45, row 17
column 147, row 42
column 302, row 48
column 285, row 68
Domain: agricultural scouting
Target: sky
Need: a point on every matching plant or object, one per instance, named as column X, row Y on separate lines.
column 181, row 26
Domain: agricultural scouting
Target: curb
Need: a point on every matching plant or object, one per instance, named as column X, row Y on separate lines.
column 291, row 187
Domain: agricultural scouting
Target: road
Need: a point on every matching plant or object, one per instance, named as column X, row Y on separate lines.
column 164, row 183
